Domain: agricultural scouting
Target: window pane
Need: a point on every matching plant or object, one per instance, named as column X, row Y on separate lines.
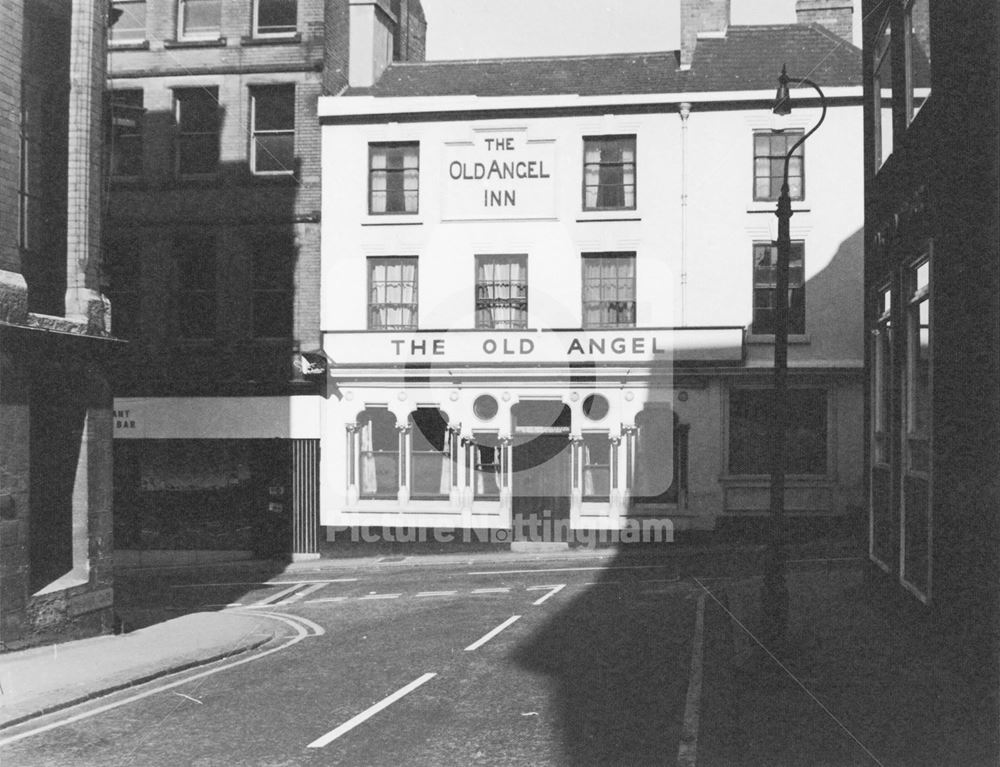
column 274, row 153
column 202, row 16
column 765, row 277
column 274, row 108
column 276, row 16
column 394, row 178
column 131, row 25
column 609, row 172
column 770, row 149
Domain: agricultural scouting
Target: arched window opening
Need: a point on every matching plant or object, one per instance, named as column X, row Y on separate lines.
column 379, row 453
column 430, row 453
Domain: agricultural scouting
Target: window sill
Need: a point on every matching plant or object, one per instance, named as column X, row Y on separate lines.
column 770, row 206
column 767, row 339
column 611, row 214
column 215, row 42
column 274, row 179
column 392, row 219
column 128, row 45
column 283, row 39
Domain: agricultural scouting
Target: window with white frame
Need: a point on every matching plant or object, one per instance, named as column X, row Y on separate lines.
column 882, row 93
column 130, row 27
column 596, row 464
column 272, row 119
column 608, row 290
column 274, row 18
column 918, row 55
column 918, row 368
column 486, row 454
column 609, row 173
column 430, row 454
column 769, row 151
column 393, row 177
column 502, row 292
column 392, row 293
column 765, row 288
column 197, row 116
column 199, row 19
column 379, row 452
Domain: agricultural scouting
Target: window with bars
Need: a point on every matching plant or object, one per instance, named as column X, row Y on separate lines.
column 393, row 177
column 769, row 151
column 392, row 293
column 609, row 173
column 125, row 141
column 272, row 119
column 275, row 17
column 765, row 276
column 197, row 116
column 130, row 26
column 195, row 299
column 273, row 274
column 502, row 292
column 609, row 290
column 199, row 19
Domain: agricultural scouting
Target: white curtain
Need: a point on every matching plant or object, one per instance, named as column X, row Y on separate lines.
column 369, row 481
column 393, row 299
column 588, row 472
column 445, row 488
column 609, row 175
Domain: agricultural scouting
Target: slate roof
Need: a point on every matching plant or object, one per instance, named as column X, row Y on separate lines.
column 747, row 58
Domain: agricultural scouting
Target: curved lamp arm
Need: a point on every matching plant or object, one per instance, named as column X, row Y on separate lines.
column 783, row 106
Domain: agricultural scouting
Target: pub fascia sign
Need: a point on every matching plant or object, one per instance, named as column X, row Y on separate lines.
column 499, row 175
column 638, row 346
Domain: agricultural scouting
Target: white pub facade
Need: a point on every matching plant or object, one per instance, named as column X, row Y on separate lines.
column 547, row 287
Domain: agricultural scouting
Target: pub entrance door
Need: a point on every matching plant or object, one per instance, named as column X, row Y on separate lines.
column 541, row 466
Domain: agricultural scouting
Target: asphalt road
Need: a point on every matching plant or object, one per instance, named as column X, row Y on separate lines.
column 559, row 664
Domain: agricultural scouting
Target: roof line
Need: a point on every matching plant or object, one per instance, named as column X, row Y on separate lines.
column 588, row 56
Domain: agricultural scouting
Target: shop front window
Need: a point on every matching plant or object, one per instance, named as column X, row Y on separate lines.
column 657, row 469
column 750, row 432
column 430, row 456
column 379, row 453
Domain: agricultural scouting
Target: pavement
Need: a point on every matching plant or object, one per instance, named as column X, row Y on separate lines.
column 863, row 689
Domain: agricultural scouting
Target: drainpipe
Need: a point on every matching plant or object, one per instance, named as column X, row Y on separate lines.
column 685, row 111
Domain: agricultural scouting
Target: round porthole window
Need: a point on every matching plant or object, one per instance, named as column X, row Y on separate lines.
column 485, row 407
column 595, row 407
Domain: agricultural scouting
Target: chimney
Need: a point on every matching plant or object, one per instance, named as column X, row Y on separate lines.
column 835, row 15
column 698, row 17
column 372, row 29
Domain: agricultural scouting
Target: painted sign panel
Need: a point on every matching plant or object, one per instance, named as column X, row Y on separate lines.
column 499, row 175
column 636, row 346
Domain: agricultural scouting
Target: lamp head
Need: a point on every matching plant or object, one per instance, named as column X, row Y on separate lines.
column 782, row 98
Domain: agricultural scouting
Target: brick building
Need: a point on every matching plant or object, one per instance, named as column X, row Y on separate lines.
column 932, row 280
column 55, row 397
column 214, row 257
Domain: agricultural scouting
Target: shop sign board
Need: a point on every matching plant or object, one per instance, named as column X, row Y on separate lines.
column 499, row 175
column 633, row 346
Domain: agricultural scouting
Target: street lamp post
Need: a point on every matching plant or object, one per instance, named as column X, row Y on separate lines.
column 775, row 594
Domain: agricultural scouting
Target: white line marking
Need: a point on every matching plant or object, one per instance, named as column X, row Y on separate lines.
column 353, row 722
column 553, row 590
column 259, row 583
column 687, row 752
column 381, row 596
column 436, row 593
column 270, row 600
column 325, row 599
column 491, row 591
column 299, row 624
column 568, row 569
column 487, row 637
column 305, row 592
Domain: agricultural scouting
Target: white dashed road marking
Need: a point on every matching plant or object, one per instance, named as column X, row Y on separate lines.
column 350, row 724
column 553, row 590
column 436, row 593
column 487, row 637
